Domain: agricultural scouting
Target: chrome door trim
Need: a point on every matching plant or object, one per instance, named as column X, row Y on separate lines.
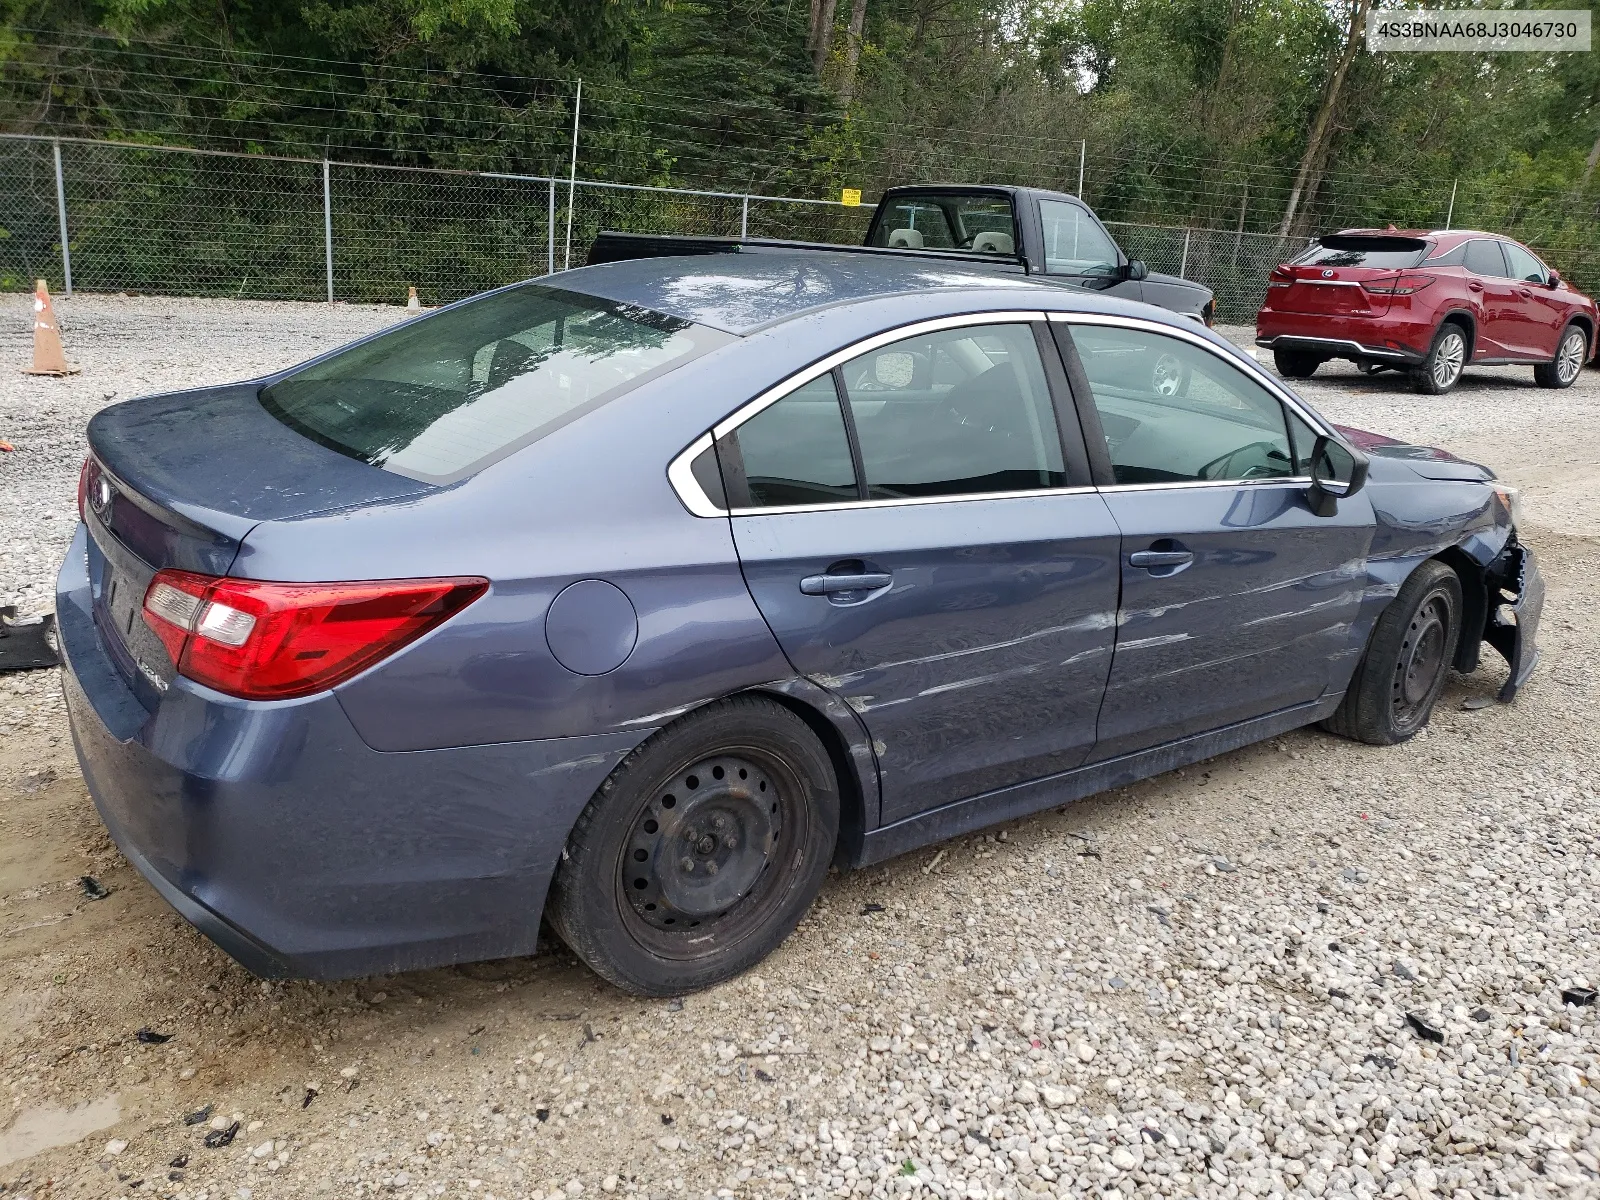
column 905, row 501
column 1243, row 363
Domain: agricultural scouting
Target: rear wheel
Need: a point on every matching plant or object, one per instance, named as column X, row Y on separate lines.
column 1169, row 376
column 1296, row 364
column 702, row 851
column 1447, row 358
column 1562, row 371
column 1407, row 661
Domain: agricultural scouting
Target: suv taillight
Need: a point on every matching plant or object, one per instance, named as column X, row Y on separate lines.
column 1405, row 285
column 276, row 641
column 1281, row 277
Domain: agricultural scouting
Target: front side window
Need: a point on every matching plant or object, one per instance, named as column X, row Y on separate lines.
column 1074, row 243
column 438, row 398
column 947, row 221
column 1174, row 413
column 1483, row 258
column 955, row 412
column 1524, row 266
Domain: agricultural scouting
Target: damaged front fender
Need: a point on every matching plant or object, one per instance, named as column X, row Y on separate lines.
column 1516, row 600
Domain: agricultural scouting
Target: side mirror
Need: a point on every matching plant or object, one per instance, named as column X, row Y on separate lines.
column 1555, row 279
column 1337, row 471
column 1136, row 270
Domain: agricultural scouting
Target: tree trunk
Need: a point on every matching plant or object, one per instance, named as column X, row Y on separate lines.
column 822, row 41
column 1591, row 163
column 1309, row 177
column 852, row 51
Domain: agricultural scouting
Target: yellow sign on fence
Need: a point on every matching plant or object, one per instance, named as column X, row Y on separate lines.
column 851, row 197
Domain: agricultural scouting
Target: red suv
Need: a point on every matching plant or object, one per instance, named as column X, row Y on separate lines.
column 1428, row 304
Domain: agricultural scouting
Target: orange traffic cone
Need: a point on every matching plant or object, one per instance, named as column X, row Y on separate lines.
column 48, row 356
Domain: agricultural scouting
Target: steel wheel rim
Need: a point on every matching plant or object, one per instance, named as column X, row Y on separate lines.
column 1424, row 658
column 712, row 853
column 1167, row 375
column 1570, row 361
column 1447, row 359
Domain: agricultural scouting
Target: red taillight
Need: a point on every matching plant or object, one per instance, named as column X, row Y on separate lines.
column 1281, row 277
column 1405, row 285
column 275, row 641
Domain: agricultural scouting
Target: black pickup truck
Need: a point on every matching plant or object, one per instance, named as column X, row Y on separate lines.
column 1056, row 235
column 1047, row 235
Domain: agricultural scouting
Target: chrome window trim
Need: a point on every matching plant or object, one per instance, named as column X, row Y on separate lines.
column 1247, row 366
column 906, row 501
column 693, row 497
column 1269, row 481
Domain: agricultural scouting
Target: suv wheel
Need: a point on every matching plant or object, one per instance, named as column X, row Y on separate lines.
column 1296, row 364
column 702, row 851
column 1562, row 371
column 1447, row 357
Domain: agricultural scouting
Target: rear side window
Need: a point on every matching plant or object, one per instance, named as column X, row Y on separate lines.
column 956, row 412
column 794, row 452
column 1484, row 258
column 1384, row 253
column 439, row 398
column 1524, row 266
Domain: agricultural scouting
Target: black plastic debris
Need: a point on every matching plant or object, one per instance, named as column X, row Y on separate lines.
column 1323, row 908
column 93, row 889
column 1335, row 947
column 180, row 1162
column 1381, row 1060
column 1338, row 994
column 872, row 908
column 311, row 1094
column 1481, row 1014
column 764, row 1077
column 1155, row 1135
column 151, row 1038
column 666, row 1118
column 1578, row 996
column 27, row 647
column 541, row 1114
column 1420, row 1026
column 199, row 1115
column 219, row 1138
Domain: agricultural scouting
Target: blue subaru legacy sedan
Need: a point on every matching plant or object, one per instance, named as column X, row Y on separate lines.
column 635, row 598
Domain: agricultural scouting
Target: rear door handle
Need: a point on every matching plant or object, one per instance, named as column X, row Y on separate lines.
column 1475, row 285
column 1160, row 558
column 828, row 585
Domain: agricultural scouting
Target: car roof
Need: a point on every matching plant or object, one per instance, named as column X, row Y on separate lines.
column 740, row 293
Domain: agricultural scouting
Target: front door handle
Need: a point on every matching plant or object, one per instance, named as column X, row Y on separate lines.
column 1160, row 558
column 1475, row 285
column 828, row 585
column 1525, row 293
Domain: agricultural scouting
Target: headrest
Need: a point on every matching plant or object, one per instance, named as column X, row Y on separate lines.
column 994, row 243
column 905, row 239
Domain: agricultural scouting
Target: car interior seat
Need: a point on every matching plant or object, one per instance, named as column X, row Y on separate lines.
column 994, row 243
column 905, row 239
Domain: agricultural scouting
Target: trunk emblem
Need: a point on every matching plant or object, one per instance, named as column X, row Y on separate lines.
column 100, row 495
column 1327, row 274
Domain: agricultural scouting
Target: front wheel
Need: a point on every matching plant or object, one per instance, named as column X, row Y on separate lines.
column 1562, row 371
column 1407, row 661
column 1447, row 358
column 701, row 852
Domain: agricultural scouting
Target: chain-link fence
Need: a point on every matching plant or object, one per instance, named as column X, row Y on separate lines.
column 207, row 223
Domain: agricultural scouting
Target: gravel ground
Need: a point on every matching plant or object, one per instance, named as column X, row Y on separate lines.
column 1199, row 985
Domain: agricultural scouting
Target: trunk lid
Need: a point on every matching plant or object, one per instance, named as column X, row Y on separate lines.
column 177, row 481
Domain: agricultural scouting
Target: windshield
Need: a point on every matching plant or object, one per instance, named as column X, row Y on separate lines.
column 438, row 398
column 1387, row 253
column 946, row 221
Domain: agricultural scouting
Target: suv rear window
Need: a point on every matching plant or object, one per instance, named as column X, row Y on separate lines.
column 438, row 398
column 1384, row 253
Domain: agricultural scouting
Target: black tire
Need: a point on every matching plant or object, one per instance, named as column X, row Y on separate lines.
column 1563, row 370
column 741, row 790
column 1296, row 364
column 1398, row 680
column 1447, row 358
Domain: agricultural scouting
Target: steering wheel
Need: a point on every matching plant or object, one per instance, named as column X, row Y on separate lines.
column 1217, row 467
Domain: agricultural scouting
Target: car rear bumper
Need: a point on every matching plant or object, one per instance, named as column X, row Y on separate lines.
column 277, row 832
column 1374, row 339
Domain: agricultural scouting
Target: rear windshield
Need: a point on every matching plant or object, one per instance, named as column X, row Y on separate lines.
column 443, row 396
column 947, row 221
column 1385, row 253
